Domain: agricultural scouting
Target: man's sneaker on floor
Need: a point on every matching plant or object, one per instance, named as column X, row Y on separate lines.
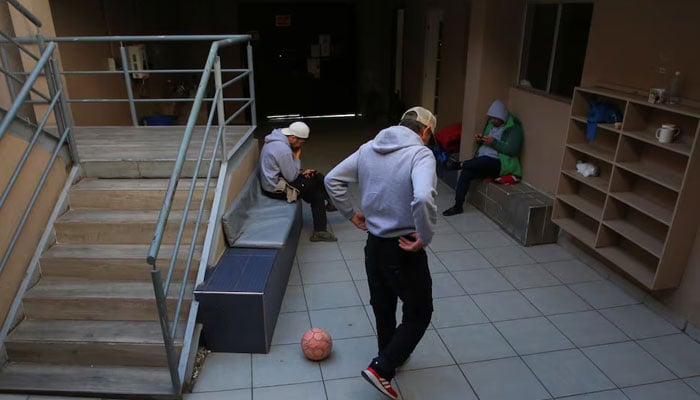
column 379, row 383
column 323, row 236
column 454, row 210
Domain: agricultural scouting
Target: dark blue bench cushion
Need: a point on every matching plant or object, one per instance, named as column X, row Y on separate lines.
column 241, row 271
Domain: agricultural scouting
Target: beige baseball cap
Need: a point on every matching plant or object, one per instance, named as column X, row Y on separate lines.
column 423, row 116
column 298, row 129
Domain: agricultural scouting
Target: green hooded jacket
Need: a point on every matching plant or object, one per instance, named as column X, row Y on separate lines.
column 508, row 146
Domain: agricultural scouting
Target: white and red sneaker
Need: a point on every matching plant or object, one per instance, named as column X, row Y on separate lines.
column 380, row 383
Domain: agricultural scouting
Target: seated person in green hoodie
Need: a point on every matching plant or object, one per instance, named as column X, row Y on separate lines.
column 497, row 151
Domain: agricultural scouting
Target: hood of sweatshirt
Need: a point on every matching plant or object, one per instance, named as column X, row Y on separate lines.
column 498, row 110
column 395, row 138
column 277, row 136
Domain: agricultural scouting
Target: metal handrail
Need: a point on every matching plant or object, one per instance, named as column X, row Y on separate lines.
column 27, row 14
column 45, row 67
column 126, row 72
column 4, row 126
column 162, row 289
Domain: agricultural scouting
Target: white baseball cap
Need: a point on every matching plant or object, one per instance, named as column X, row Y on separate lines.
column 298, row 129
column 423, row 116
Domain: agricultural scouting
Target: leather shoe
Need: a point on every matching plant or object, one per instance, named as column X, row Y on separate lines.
column 454, row 210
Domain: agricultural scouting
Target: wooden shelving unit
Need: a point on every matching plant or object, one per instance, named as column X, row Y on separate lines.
column 641, row 211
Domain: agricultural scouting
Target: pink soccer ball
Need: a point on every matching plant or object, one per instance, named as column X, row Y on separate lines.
column 316, row 344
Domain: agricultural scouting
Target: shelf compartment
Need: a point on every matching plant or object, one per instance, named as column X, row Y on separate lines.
column 600, row 182
column 649, row 137
column 583, row 98
column 576, row 223
column 629, row 257
column 628, row 222
column 602, row 147
column 582, row 197
column 642, row 120
column 654, row 200
column 610, row 127
column 657, row 164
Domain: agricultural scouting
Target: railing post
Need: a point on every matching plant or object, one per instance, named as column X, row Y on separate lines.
column 64, row 111
column 218, row 86
column 52, row 86
column 164, row 325
column 127, row 82
column 251, row 85
column 6, row 65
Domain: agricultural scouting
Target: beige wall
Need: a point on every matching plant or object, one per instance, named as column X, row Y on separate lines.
column 11, row 150
column 453, row 57
column 686, row 298
column 631, row 39
column 85, row 18
column 492, row 62
column 544, row 120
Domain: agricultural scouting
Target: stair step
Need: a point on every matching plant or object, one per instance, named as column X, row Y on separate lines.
column 140, row 169
column 126, row 343
column 123, row 227
column 135, row 194
column 98, row 381
column 99, row 300
column 112, row 261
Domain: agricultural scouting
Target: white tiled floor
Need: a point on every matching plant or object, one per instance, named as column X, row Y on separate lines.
column 510, row 323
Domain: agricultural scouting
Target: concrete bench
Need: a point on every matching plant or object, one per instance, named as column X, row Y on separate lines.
column 241, row 296
column 520, row 209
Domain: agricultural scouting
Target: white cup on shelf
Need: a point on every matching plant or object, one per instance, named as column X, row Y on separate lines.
column 667, row 133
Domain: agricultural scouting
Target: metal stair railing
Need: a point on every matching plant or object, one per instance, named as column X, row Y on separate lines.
column 46, row 67
column 127, row 72
column 213, row 64
column 58, row 100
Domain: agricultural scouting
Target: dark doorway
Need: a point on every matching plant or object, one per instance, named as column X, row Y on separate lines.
column 304, row 55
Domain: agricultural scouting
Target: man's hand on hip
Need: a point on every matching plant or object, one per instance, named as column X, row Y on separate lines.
column 359, row 221
column 411, row 243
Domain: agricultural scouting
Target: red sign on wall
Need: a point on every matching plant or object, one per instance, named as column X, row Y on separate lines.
column 283, row 20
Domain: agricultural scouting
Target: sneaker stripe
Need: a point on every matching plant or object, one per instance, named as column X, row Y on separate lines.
column 379, row 383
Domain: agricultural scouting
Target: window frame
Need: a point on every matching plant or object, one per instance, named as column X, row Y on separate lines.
column 524, row 33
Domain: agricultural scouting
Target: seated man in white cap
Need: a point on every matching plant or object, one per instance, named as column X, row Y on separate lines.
column 280, row 168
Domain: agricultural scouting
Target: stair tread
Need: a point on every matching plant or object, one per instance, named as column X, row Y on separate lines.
column 139, row 332
column 82, row 380
column 134, row 184
column 115, row 251
column 124, row 216
column 69, row 289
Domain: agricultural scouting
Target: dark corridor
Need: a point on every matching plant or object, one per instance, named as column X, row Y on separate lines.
column 304, row 57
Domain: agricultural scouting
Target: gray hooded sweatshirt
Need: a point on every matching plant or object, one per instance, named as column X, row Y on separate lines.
column 497, row 110
column 396, row 176
column 277, row 160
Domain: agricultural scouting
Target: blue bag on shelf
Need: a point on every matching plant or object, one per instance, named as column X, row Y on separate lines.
column 600, row 112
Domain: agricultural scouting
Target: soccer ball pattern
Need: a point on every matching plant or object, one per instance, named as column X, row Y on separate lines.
column 316, row 344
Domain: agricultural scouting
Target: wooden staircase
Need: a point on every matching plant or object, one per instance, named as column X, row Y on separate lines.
column 90, row 324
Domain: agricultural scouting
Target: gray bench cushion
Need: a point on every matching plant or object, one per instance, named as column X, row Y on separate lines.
column 255, row 220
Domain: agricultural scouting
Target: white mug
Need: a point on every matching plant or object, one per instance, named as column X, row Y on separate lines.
column 667, row 133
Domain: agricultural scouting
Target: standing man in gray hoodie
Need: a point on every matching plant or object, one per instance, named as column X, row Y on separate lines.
column 396, row 176
column 280, row 168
